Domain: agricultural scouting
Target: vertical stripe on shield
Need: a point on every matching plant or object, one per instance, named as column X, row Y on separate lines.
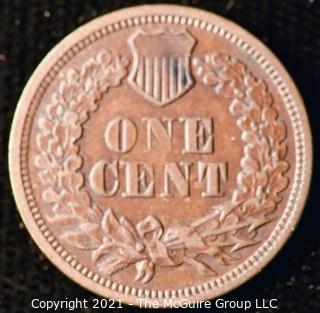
column 163, row 78
column 187, row 75
column 172, row 79
column 157, row 78
column 164, row 91
column 148, row 75
column 140, row 76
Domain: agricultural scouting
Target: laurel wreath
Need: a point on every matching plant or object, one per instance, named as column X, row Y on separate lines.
column 213, row 241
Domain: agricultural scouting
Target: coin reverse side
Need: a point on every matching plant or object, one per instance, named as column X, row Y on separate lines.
column 160, row 152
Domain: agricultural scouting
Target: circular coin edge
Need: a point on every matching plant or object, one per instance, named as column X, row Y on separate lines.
column 61, row 49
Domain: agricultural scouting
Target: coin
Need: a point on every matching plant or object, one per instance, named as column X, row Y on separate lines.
column 162, row 153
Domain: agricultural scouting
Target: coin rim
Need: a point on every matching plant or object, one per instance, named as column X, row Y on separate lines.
column 58, row 52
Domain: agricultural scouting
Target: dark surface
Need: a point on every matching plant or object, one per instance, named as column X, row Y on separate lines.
column 29, row 29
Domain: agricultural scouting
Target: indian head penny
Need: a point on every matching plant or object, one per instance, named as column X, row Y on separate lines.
column 160, row 152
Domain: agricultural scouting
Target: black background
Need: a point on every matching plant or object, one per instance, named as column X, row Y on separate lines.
column 30, row 28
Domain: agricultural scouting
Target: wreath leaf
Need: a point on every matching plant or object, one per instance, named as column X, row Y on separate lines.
column 81, row 240
column 145, row 271
column 116, row 231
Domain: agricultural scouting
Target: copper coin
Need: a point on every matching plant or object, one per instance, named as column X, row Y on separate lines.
column 160, row 152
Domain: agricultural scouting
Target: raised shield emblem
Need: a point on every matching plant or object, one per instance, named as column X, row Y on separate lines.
column 161, row 64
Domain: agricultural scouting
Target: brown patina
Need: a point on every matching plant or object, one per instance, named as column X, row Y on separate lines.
column 160, row 152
